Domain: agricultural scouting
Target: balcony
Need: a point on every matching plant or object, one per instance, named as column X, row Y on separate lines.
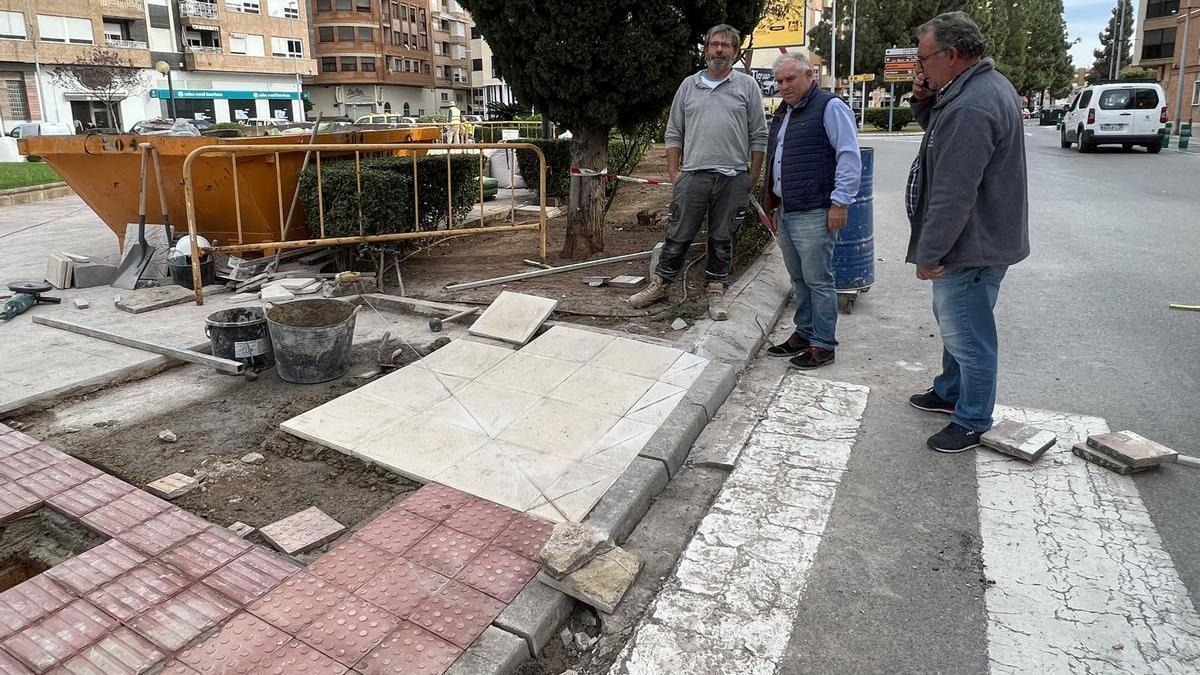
column 199, row 10
column 200, row 49
column 126, row 44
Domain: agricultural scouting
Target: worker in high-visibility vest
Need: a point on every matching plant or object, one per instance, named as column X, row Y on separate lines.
column 455, row 124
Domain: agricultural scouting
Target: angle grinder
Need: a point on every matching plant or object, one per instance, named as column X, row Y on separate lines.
column 26, row 294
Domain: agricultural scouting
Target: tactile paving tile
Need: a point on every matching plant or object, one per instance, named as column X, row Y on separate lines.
column 499, row 572
column 89, row 496
column 16, row 501
column 526, row 536
column 296, row 657
column 410, row 649
column 302, row 531
column 125, row 512
column 121, row 651
column 28, row 602
column 351, row 564
column 9, row 665
column 402, row 587
column 176, row 668
column 88, row 570
column 435, row 501
column 174, row 624
column 21, row 464
column 241, row 645
column 298, row 601
column 250, row 575
column 14, row 441
column 350, row 630
column 445, row 550
column 481, row 519
column 138, row 589
column 205, row 552
column 59, row 636
column 396, row 530
column 163, row 531
column 59, row 477
column 458, row 613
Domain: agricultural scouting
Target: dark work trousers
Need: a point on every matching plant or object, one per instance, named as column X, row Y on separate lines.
column 697, row 194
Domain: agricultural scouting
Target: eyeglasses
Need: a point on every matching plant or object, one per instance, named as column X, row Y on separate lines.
column 727, row 45
column 921, row 59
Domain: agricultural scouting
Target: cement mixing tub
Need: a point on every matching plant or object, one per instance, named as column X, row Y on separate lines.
column 312, row 339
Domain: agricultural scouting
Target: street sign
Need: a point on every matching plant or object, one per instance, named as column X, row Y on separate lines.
column 783, row 28
column 865, row 77
column 900, row 65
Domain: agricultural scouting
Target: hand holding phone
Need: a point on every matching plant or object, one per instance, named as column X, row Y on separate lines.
column 921, row 88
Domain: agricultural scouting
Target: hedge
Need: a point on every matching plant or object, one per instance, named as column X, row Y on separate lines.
column 901, row 117
column 387, row 197
column 558, row 166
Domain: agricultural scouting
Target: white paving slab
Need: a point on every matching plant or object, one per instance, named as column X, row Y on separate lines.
column 513, row 317
column 637, row 358
column 465, row 358
column 601, row 389
column 530, row 373
column 569, row 344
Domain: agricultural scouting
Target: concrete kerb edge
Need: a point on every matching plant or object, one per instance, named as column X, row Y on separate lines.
column 35, row 193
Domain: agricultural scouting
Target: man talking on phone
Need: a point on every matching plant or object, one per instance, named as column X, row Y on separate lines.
column 967, row 202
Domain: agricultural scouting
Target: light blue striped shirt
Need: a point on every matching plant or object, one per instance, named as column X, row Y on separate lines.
column 842, row 131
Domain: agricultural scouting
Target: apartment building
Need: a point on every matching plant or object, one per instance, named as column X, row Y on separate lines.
column 451, row 56
column 373, row 56
column 229, row 61
column 1159, row 45
column 487, row 87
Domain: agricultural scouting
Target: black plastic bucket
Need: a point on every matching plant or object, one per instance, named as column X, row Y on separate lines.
column 241, row 334
column 312, row 339
column 181, row 271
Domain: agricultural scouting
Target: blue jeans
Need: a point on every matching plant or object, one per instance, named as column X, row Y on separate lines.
column 963, row 300
column 807, row 247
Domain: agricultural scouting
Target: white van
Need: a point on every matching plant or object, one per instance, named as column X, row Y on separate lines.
column 1116, row 113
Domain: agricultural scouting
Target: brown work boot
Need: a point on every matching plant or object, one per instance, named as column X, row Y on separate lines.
column 657, row 289
column 718, row 306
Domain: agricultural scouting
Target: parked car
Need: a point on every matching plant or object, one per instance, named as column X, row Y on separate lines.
column 27, row 129
column 385, row 118
column 1116, row 113
column 1049, row 117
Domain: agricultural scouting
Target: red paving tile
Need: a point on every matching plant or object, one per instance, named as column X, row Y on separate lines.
column 298, row 601
column 121, row 652
column 351, row 564
column 9, row 665
column 349, row 631
column 176, row 668
column 138, row 590
column 28, row 602
column 396, row 530
column 250, row 575
column 88, row 570
column 89, row 496
column 481, row 519
column 14, row 441
column 125, row 512
column 499, row 572
column 163, row 531
column 16, row 501
column 205, row 552
column 302, row 531
column 241, row 645
column 59, row 636
column 525, row 536
column 458, row 613
column 435, row 501
column 21, row 464
column 175, row 623
column 402, row 587
column 296, row 657
column 445, row 550
column 410, row 649
column 59, row 477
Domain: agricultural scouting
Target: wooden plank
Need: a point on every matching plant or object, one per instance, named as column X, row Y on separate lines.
column 223, row 365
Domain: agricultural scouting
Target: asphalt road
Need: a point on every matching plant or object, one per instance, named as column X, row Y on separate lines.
column 897, row 585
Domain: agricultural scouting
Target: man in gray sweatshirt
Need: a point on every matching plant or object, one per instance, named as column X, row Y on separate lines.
column 968, row 205
column 716, row 122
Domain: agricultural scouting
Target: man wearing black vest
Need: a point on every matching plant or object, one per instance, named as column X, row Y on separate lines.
column 813, row 172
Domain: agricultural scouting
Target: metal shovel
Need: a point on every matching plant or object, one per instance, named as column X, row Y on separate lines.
column 138, row 258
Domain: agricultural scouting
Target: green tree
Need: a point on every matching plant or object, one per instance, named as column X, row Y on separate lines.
column 1131, row 73
column 595, row 66
column 1048, row 65
column 1110, row 48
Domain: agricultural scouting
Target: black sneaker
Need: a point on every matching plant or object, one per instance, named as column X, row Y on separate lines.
column 932, row 402
column 954, row 438
column 794, row 346
column 813, row 357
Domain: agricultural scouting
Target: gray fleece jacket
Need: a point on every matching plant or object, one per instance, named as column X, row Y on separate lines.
column 972, row 209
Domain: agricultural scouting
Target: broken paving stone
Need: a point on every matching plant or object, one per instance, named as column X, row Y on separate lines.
column 302, row 531
column 1019, row 440
column 571, row 546
column 602, row 582
column 148, row 299
column 583, row 641
column 678, row 324
column 241, row 529
column 253, row 458
column 1132, row 449
column 276, row 294
column 167, row 436
column 1082, row 450
column 175, row 485
column 626, row 281
column 81, row 303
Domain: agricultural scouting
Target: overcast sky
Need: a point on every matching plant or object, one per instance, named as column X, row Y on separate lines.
column 1085, row 20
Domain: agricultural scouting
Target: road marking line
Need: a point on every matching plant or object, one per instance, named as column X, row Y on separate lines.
column 732, row 602
column 1081, row 580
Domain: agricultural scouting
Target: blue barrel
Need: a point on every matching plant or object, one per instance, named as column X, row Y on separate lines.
column 854, row 254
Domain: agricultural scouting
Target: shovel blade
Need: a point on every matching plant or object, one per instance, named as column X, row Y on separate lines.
column 133, row 266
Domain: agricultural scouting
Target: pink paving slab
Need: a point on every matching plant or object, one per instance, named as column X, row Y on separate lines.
column 445, row 550
column 402, row 587
column 298, row 601
column 349, row 565
column 410, row 649
column 347, row 632
column 481, row 519
column 396, row 530
column 302, row 531
column 458, row 613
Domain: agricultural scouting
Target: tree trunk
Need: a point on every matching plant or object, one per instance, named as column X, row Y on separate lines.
column 585, row 218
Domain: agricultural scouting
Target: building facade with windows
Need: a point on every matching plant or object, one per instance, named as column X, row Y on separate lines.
column 487, row 86
column 373, row 56
column 450, row 31
column 1159, row 46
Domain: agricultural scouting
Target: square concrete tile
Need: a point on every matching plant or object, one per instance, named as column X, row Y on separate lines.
column 568, row 344
column 409, row 649
column 124, row 513
column 637, row 358
column 297, row 602
column 59, row 636
column 395, row 531
column 458, row 613
column 58, row 478
column 163, row 531
column 89, row 496
column 529, row 373
column 302, row 531
column 138, row 589
column 250, row 575
column 16, row 501
column 489, row 473
column 559, row 428
column 351, row 564
column 482, row 519
column 347, row 632
column 347, row 421
column 435, row 502
column 601, row 389
column 425, row 448
column 621, row 444
column 445, row 551
column 513, row 317
column 402, row 587
column 499, row 572
column 242, row 645
column 100, row 565
column 656, row 413
column 297, row 657
column 539, row 468
column 455, row 414
column 205, row 552
column 121, row 651
column 29, row 601
column 491, row 408
column 176, row 623
column 525, row 536
column 461, row 358
column 685, row 370
column 578, row 490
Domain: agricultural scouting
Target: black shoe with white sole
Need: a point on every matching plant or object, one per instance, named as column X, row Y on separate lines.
column 931, row 402
column 793, row 346
column 954, row 438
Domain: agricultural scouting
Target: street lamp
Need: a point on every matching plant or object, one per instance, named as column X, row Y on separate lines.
column 165, row 68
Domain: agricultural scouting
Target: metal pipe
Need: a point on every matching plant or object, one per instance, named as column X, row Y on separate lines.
column 372, row 238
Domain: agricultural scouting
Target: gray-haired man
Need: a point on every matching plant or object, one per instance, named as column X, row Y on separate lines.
column 716, row 122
